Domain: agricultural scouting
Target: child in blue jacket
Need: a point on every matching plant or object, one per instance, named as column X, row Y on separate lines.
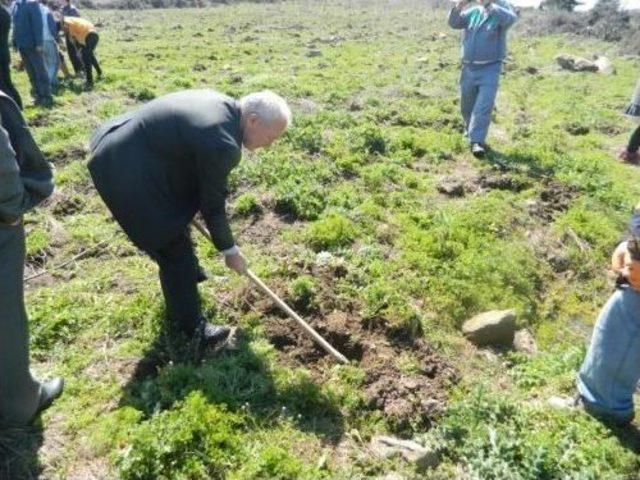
column 485, row 26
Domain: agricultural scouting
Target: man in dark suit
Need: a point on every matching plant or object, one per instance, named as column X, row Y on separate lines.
column 158, row 166
column 25, row 180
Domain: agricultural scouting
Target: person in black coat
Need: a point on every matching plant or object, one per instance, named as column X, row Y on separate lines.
column 6, row 85
column 156, row 167
column 26, row 179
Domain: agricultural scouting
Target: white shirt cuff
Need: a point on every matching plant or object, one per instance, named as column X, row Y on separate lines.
column 231, row 251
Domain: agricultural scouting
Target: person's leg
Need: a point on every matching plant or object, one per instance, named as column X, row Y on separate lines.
column 94, row 40
column 19, row 392
column 634, row 141
column 42, row 85
column 468, row 95
column 72, row 51
column 179, row 279
column 6, row 85
column 27, row 56
column 488, row 81
column 611, row 369
column 51, row 59
column 86, row 61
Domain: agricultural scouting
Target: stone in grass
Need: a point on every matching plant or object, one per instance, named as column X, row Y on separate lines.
column 451, row 187
column 386, row 447
column 576, row 64
column 525, row 343
column 496, row 328
column 314, row 52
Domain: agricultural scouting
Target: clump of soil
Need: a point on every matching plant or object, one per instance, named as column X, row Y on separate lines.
column 555, row 198
column 64, row 203
column 501, row 181
column 68, row 155
column 409, row 396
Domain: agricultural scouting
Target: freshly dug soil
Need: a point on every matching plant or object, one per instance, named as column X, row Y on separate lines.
column 409, row 396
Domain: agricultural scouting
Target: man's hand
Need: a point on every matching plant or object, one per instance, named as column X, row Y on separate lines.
column 461, row 5
column 236, row 262
column 39, row 49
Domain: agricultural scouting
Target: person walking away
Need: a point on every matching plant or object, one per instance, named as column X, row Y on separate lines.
column 484, row 47
column 84, row 33
column 6, row 84
column 50, row 44
column 27, row 38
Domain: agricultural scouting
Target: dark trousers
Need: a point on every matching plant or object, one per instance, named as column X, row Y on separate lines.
column 6, row 85
column 19, row 392
column 34, row 64
column 634, row 141
column 74, row 57
column 89, row 58
column 179, row 275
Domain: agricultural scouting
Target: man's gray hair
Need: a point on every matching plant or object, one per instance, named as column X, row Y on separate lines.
column 268, row 106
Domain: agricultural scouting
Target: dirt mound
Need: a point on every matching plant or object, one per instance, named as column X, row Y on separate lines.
column 410, row 396
column 555, row 198
column 405, row 381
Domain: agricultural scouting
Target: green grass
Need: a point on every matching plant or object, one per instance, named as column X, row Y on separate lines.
column 375, row 128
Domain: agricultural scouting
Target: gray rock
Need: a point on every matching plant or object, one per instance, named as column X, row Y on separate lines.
column 314, row 52
column 576, row 64
column 491, row 328
column 451, row 187
column 386, row 447
column 524, row 342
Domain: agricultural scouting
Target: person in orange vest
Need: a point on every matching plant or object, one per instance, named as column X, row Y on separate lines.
column 84, row 33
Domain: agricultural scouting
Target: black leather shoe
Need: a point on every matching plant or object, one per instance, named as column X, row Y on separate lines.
column 49, row 392
column 213, row 335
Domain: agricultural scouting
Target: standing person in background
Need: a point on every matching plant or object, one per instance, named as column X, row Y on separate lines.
column 50, row 44
column 70, row 10
column 27, row 38
column 6, row 85
column 630, row 153
column 84, row 33
column 26, row 180
column 484, row 47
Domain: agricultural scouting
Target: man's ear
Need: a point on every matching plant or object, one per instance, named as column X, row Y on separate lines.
column 253, row 119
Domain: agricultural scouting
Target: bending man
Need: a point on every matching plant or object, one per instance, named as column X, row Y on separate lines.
column 25, row 180
column 156, row 167
column 484, row 46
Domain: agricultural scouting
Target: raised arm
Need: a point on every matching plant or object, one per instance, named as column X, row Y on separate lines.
column 503, row 11
column 457, row 18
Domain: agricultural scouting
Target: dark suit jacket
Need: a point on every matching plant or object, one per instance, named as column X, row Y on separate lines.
column 156, row 167
column 26, row 177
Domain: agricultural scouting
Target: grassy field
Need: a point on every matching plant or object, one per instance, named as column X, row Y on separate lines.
column 344, row 218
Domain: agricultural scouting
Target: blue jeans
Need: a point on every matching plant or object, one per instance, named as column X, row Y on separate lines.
column 51, row 61
column 611, row 370
column 34, row 65
column 478, row 89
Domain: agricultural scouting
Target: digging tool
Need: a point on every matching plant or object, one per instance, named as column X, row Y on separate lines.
column 283, row 306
